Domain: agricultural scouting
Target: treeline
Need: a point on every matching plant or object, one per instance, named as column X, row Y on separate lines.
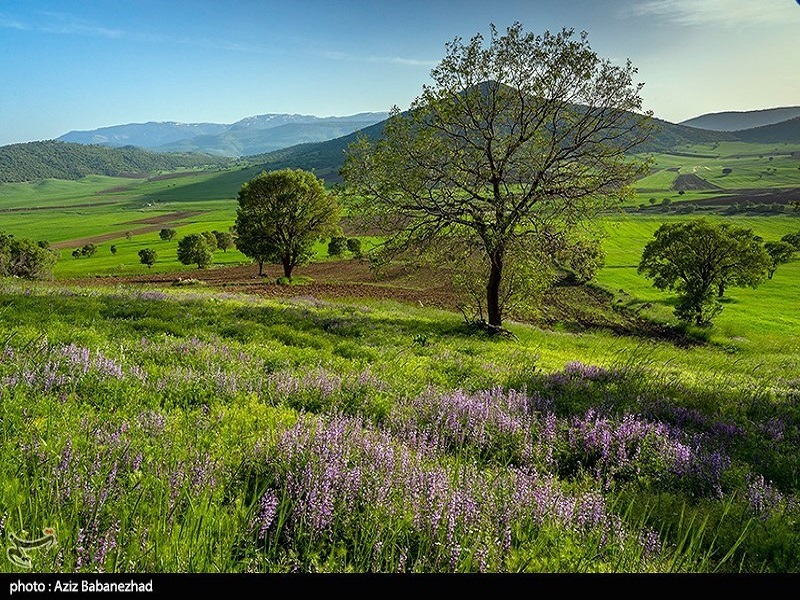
column 64, row 160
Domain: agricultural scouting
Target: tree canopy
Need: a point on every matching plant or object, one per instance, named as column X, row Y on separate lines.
column 698, row 259
column 193, row 249
column 515, row 145
column 779, row 253
column 22, row 257
column 281, row 215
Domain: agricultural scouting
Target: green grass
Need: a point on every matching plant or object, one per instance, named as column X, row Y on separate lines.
column 160, row 431
column 762, row 318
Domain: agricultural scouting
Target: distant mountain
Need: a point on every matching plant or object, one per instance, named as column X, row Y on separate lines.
column 323, row 158
column 243, row 140
column 251, row 135
column 738, row 121
column 142, row 135
column 64, row 160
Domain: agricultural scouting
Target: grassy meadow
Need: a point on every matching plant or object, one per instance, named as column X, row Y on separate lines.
column 198, row 430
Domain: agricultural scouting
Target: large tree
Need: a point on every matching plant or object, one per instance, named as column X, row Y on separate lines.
column 698, row 259
column 281, row 215
column 516, row 144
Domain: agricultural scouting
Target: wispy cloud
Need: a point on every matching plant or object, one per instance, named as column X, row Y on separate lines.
column 70, row 25
column 728, row 13
column 67, row 24
column 395, row 60
column 9, row 22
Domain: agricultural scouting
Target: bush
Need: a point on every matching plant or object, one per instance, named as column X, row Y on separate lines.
column 167, row 234
column 224, row 240
column 354, row 246
column 336, row 246
column 147, row 256
column 25, row 258
column 194, row 249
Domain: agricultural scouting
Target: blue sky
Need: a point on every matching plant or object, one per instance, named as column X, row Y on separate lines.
column 76, row 65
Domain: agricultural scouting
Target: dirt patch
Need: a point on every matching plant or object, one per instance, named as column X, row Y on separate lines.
column 172, row 217
column 690, row 181
column 172, row 175
column 155, row 223
column 756, row 196
column 114, row 190
column 569, row 304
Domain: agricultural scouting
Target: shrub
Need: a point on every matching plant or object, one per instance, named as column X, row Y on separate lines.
column 336, row 246
column 147, row 256
column 354, row 246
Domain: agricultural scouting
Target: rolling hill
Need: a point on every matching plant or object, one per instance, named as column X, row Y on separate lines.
column 326, row 158
column 783, row 132
column 64, row 160
column 738, row 121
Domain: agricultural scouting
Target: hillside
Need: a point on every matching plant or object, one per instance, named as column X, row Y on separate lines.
column 326, row 158
column 63, row 160
column 251, row 135
column 739, row 120
column 783, row 132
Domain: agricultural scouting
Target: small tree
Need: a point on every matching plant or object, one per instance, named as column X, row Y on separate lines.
column 337, row 245
column 113, row 249
column 128, row 235
column 147, row 256
column 211, row 240
column 167, row 234
column 281, row 215
column 224, row 240
column 699, row 258
column 779, row 253
column 88, row 249
column 354, row 247
column 194, row 250
column 22, row 257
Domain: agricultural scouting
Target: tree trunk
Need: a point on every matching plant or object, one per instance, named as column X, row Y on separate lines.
column 493, row 288
column 721, row 289
column 260, row 268
column 287, row 267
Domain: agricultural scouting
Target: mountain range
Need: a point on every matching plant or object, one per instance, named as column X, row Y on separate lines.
column 252, row 135
column 293, row 141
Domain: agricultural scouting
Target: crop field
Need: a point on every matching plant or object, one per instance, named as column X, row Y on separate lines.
column 178, row 419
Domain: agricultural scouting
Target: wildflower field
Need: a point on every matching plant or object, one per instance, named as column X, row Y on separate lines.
column 201, row 431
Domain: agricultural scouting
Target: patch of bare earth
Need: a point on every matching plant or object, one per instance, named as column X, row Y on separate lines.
column 154, row 223
column 567, row 304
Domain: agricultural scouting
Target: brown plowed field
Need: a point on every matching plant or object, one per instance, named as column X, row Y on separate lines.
column 153, row 224
column 577, row 307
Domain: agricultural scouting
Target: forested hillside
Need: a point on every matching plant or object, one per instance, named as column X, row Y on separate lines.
column 63, row 160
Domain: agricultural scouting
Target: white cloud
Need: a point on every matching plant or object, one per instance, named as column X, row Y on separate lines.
column 396, row 60
column 730, row 13
column 9, row 22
